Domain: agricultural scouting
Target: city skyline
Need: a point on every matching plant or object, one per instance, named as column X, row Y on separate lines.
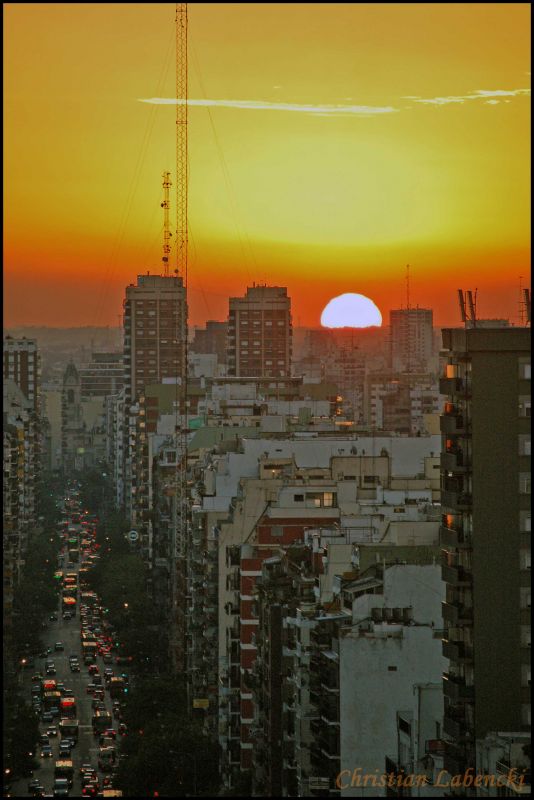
column 345, row 141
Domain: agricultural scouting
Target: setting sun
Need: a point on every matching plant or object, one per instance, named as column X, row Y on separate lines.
column 351, row 311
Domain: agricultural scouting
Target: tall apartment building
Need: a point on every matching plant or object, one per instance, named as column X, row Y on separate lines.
column 412, row 339
column 155, row 326
column 486, row 530
column 260, row 333
column 22, row 365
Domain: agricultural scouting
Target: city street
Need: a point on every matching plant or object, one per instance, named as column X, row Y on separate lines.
column 86, row 750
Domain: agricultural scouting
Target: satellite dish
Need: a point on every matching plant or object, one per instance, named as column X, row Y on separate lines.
column 133, row 536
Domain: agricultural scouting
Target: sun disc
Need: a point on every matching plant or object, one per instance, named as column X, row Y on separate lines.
column 351, row 311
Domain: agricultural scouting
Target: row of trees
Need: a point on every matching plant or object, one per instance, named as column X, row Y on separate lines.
column 34, row 598
column 166, row 751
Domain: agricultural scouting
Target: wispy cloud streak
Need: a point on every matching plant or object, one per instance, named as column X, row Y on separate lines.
column 479, row 94
column 260, row 105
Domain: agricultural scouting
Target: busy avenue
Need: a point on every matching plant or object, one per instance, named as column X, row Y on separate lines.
column 75, row 686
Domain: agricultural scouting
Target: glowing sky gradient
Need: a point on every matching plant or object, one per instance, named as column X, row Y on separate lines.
column 330, row 145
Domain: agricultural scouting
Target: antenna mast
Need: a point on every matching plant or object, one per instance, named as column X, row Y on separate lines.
column 408, row 286
column 181, row 139
column 166, row 224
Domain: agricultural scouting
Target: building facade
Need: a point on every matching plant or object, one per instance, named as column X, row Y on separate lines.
column 485, row 535
column 260, row 333
column 412, row 339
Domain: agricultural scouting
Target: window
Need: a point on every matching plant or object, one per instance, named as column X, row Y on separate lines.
column 524, row 406
column 524, row 482
column 299, row 498
column 524, row 369
column 524, row 445
column 277, row 530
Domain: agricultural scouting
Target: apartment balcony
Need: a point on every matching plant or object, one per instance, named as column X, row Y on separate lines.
column 456, row 614
column 456, row 689
column 454, row 423
column 456, row 576
column 455, row 386
column 455, row 461
column 455, row 759
column 456, row 499
column 454, row 728
column 457, row 651
column 453, row 537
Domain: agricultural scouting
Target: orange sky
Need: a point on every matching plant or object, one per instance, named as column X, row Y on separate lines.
column 424, row 162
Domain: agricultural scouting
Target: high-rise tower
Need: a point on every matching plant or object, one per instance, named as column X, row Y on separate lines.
column 485, row 535
column 260, row 333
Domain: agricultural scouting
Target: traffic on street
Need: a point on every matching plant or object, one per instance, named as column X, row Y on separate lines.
column 75, row 686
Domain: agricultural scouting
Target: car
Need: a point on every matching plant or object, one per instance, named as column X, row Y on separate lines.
column 74, row 667
column 97, row 680
column 43, row 739
column 59, row 646
column 50, row 670
column 73, row 657
column 34, row 784
column 65, row 749
column 93, row 670
column 107, row 658
column 61, row 787
column 54, row 711
column 90, row 688
column 68, row 693
column 111, row 732
column 87, row 768
column 46, row 751
column 37, row 790
column 67, row 615
column 51, row 731
column 36, row 689
column 60, row 686
column 53, row 617
column 47, row 716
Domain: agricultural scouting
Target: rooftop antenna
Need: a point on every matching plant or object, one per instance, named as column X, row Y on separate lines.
column 521, row 303
column 526, row 294
column 166, row 224
column 472, row 304
column 407, row 286
column 461, row 302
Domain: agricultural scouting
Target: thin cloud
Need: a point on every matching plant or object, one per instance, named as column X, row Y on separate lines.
column 479, row 94
column 260, row 105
